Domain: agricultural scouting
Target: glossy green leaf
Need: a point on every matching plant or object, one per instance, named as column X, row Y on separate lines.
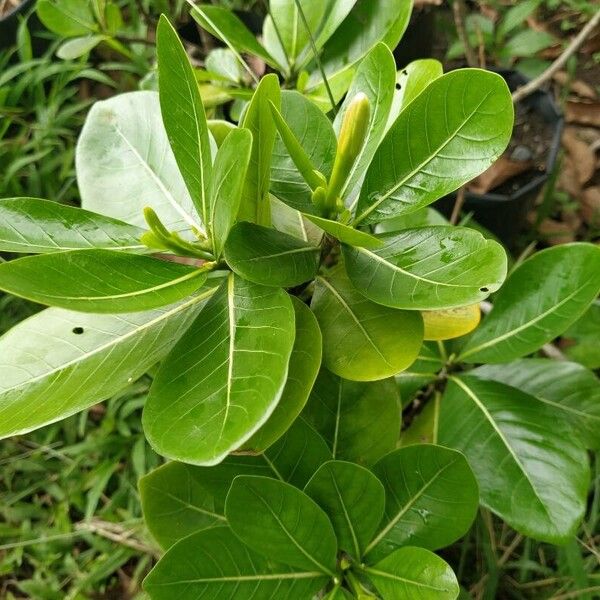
column 315, row 134
column 183, row 116
column 431, row 499
column 75, row 360
column 422, row 372
column 339, row 593
column 231, row 165
column 254, row 205
column 353, row 499
column 100, row 281
column 67, row 18
column 176, row 504
column 225, row 376
column 226, row 26
column 411, row 81
column 454, row 130
column 540, row 299
column 346, row 234
column 124, row 162
column 363, row 341
column 288, row 220
column 220, row 130
column 428, row 268
column 31, row 225
column 213, row 564
column 269, row 257
column 569, row 389
column 359, row 421
column 369, row 22
column 375, row 77
column 424, row 217
column 581, row 339
column 414, row 574
column 303, row 369
column 423, row 428
column 286, row 525
column 531, row 471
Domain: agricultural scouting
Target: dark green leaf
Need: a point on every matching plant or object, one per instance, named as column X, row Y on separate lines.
column 225, row 376
column 569, row 389
column 531, row 471
column 431, row 499
column 354, row 501
column 100, row 281
column 414, row 574
column 286, row 525
column 231, row 165
column 213, row 564
column 428, row 268
column 359, row 421
column 540, row 299
column 454, row 130
column 31, row 225
column 303, row 369
column 269, row 257
column 183, row 116
column 363, row 341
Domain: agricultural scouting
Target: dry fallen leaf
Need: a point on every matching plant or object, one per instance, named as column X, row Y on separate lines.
column 583, row 157
column 502, row 170
column 590, row 206
column 568, row 178
column 555, row 232
column 577, row 86
column 584, row 113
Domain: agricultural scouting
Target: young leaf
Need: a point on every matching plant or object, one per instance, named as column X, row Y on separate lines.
column 183, row 115
column 431, row 499
column 213, row 564
column 76, row 47
column 99, row 281
column 450, row 323
column 313, row 131
column 345, row 234
column 31, row 225
column 231, row 165
column 254, row 205
column 303, row 369
column 220, row 130
column 530, row 469
column 375, row 77
column 414, row 574
column 286, row 525
column 225, row 376
column 411, row 81
column 269, row 257
column 569, row 389
column 359, row 421
column 465, row 118
column 353, row 499
column 369, row 22
column 363, row 341
column 226, row 26
column 75, row 360
column 540, row 299
column 67, row 18
column 124, row 163
column 428, row 268
column 176, row 504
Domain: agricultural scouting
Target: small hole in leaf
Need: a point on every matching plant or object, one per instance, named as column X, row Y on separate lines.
column 77, row 330
column 404, row 72
column 398, row 86
column 484, row 289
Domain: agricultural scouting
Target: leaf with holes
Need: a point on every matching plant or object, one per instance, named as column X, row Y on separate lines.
column 428, row 268
column 451, row 132
column 224, row 378
column 531, row 470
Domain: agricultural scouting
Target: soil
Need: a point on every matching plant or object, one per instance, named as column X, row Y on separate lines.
column 531, row 140
column 7, row 6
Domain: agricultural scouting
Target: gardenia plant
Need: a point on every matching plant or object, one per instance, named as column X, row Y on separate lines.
column 282, row 281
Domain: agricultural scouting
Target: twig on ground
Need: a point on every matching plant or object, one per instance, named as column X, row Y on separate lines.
column 458, row 204
column 116, row 533
column 560, row 62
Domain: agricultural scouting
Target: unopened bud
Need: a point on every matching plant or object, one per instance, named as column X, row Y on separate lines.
column 355, row 125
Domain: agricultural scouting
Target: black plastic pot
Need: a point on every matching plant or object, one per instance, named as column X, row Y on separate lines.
column 505, row 215
column 9, row 23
